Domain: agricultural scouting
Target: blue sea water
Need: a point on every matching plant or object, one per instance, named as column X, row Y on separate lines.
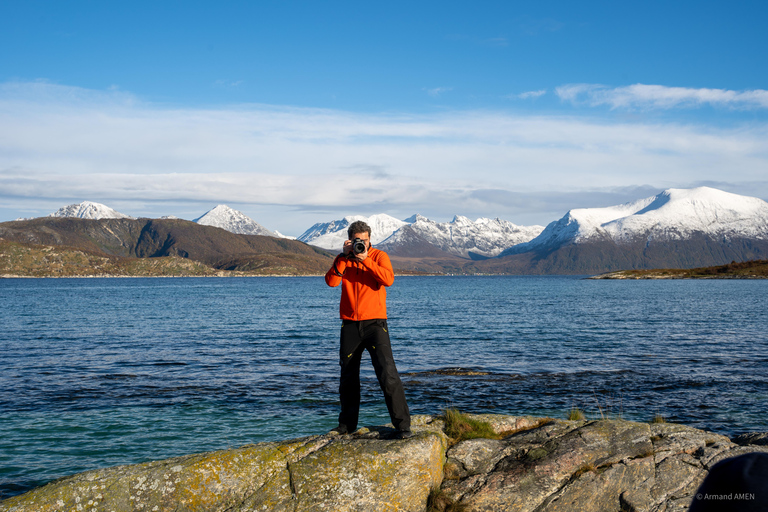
column 100, row 372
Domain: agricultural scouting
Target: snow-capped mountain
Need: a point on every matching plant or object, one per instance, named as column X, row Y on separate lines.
column 675, row 214
column 462, row 236
column 89, row 210
column 331, row 235
column 222, row 216
column 419, row 235
column 678, row 228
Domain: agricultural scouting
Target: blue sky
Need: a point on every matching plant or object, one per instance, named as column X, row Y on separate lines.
column 300, row 112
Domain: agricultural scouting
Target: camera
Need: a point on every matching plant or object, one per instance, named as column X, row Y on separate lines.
column 358, row 246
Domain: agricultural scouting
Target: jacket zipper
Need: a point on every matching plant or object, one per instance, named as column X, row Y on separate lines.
column 357, row 293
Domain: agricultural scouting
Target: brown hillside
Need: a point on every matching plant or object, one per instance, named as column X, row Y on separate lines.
column 30, row 260
column 154, row 238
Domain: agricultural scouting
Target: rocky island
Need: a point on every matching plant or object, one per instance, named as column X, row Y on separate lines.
column 754, row 269
column 510, row 463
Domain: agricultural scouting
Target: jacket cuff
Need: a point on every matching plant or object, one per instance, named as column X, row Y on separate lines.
column 340, row 259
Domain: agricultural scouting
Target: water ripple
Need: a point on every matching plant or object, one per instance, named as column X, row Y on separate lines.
column 99, row 372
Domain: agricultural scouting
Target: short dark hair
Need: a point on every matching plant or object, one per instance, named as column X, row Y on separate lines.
column 358, row 227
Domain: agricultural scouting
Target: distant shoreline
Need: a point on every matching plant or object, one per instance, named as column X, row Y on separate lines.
column 19, row 260
column 665, row 274
column 222, row 275
column 10, row 276
column 756, row 269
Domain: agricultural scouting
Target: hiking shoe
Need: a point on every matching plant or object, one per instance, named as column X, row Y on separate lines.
column 338, row 431
column 403, row 434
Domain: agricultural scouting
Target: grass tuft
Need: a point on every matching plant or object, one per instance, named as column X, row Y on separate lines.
column 658, row 419
column 576, row 414
column 460, row 427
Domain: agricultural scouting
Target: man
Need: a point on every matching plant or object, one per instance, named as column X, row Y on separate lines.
column 364, row 273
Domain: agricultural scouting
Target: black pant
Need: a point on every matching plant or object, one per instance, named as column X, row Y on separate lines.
column 370, row 335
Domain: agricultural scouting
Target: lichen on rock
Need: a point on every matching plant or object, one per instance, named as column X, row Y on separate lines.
column 353, row 473
column 586, row 466
column 537, row 465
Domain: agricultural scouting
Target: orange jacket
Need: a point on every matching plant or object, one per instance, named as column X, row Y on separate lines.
column 363, row 291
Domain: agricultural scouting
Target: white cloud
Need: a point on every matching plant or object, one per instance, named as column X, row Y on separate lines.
column 64, row 144
column 532, row 94
column 641, row 96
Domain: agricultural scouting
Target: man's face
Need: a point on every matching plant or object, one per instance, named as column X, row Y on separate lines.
column 364, row 237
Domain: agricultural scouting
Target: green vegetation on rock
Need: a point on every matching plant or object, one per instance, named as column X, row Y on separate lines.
column 460, row 427
column 527, row 464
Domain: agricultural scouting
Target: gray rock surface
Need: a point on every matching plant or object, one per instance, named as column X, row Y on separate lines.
column 758, row 438
column 347, row 473
column 537, row 465
column 586, row 466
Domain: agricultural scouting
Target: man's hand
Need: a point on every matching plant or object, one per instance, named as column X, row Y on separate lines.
column 347, row 250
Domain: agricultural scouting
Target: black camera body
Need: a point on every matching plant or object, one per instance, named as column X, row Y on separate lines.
column 358, row 246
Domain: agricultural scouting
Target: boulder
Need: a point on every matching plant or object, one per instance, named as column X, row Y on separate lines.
column 537, row 465
column 585, row 466
column 364, row 472
column 759, row 438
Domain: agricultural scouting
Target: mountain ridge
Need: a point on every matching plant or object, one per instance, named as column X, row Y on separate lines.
column 677, row 228
column 461, row 237
column 672, row 214
column 234, row 221
column 479, row 239
column 88, row 210
column 331, row 235
column 154, row 238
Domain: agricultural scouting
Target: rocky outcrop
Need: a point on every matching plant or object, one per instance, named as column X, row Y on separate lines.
column 755, row 438
column 536, row 465
column 586, row 466
column 349, row 473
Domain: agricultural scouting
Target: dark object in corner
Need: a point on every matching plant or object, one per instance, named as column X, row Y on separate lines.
column 738, row 484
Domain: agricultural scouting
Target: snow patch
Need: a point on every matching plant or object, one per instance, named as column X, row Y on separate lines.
column 461, row 236
column 89, row 210
column 674, row 214
column 464, row 237
column 331, row 235
column 224, row 217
